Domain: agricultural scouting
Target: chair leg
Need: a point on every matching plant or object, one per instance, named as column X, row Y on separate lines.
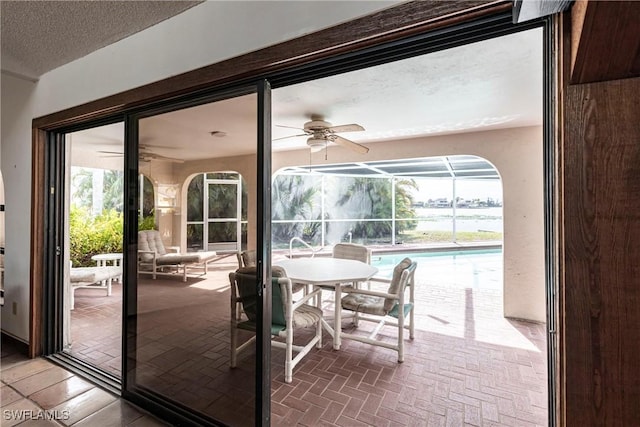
column 401, row 336
column 238, row 311
column 288, row 365
column 234, row 343
column 411, row 324
column 319, row 333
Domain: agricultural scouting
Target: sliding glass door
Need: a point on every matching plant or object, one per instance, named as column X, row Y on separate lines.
column 178, row 294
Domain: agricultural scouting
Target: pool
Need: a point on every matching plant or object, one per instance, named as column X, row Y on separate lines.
column 468, row 268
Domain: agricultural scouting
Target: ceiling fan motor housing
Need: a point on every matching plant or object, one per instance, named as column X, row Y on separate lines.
column 316, row 125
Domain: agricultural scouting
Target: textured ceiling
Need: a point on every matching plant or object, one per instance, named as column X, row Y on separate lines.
column 38, row 36
column 492, row 84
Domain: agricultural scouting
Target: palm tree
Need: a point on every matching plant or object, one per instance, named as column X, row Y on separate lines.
column 370, row 198
column 295, row 197
column 83, row 182
column 112, row 188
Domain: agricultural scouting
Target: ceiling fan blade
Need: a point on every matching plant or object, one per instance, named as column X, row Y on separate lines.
column 289, row 127
column 346, row 128
column 153, row 156
column 358, row 148
column 291, row 136
column 146, row 147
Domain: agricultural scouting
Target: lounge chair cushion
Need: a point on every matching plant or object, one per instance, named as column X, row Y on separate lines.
column 188, row 258
column 150, row 241
column 86, row 275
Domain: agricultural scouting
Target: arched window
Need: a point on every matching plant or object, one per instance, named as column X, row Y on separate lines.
column 217, row 212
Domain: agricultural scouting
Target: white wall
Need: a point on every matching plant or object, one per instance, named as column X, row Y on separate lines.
column 517, row 154
column 17, row 111
column 203, row 35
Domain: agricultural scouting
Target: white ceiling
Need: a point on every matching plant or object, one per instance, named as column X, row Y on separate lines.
column 486, row 85
column 38, row 36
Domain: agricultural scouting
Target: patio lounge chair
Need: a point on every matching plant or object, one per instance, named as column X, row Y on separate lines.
column 286, row 315
column 154, row 259
column 92, row 278
column 375, row 306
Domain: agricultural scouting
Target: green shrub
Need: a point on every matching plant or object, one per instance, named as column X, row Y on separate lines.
column 90, row 236
column 103, row 234
column 147, row 223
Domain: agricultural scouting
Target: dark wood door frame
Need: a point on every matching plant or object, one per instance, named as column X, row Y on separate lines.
column 399, row 22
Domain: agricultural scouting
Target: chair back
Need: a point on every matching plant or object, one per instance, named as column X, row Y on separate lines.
column 246, row 279
column 278, row 301
column 150, row 240
column 352, row 251
column 246, row 282
column 247, row 258
column 402, row 276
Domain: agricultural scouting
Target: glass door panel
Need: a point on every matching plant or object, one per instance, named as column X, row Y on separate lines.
column 93, row 222
column 179, row 351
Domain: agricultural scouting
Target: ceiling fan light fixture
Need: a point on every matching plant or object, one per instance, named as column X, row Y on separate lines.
column 316, row 144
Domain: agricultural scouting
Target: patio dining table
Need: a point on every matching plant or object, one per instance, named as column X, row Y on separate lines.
column 331, row 273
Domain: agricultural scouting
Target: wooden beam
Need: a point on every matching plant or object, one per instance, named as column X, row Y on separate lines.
column 605, row 40
column 601, row 201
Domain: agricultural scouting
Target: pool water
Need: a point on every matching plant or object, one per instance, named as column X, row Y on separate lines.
column 467, row 269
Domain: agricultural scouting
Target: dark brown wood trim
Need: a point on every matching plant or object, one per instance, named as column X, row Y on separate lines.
column 563, row 67
column 602, row 189
column 390, row 24
column 38, row 196
column 606, row 41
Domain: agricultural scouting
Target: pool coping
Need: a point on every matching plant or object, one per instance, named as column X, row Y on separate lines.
column 404, row 248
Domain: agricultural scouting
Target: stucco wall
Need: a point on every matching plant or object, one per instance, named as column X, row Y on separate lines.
column 517, row 154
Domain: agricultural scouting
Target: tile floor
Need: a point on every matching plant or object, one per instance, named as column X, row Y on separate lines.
column 468, row 365
column 39, row 393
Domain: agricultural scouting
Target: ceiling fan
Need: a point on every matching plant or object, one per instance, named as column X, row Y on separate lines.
column 321, row 133
column 144, row 155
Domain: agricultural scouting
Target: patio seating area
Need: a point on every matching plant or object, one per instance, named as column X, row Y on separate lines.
column 467, row 363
